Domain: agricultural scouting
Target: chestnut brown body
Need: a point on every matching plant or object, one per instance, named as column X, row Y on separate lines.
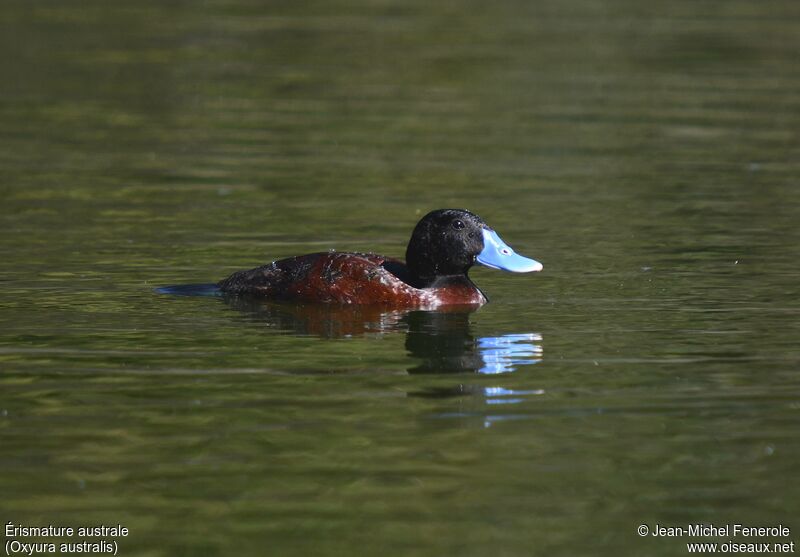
column 350, row 278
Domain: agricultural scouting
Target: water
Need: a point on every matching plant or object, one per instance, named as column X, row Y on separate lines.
column 647, row 155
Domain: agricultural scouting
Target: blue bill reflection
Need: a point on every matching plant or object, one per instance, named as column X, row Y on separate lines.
column 505, row 353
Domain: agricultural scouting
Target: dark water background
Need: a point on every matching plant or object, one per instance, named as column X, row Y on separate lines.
column 646, row 153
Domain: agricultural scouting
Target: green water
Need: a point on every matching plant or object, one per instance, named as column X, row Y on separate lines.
column 647, row 154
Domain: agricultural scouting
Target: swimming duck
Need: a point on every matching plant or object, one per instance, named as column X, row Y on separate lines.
column 443, row 247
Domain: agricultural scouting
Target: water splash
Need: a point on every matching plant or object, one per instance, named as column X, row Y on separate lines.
column 190, row 290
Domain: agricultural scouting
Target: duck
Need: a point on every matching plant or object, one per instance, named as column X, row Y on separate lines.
column 444, row 245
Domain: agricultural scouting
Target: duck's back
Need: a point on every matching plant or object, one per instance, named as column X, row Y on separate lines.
column 327, row 277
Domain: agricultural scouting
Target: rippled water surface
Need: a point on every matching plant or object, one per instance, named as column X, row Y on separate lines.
column 647, row 154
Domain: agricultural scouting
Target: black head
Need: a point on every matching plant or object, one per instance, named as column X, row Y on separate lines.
column 444, row 243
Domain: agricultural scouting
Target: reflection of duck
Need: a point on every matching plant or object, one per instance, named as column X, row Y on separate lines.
column 321, row 320
column 445, row 344
column 443, row 247
column 441, row 341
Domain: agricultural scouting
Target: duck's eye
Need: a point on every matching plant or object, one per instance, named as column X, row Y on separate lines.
column 458, row 225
